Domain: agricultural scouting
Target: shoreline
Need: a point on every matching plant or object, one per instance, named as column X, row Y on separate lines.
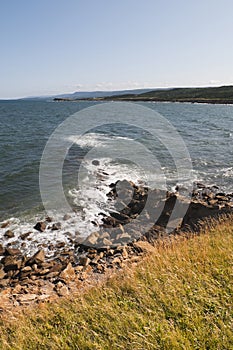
column 25, row 280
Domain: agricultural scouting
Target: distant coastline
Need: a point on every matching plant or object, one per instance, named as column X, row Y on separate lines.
column 216, row 101
column 211, row 95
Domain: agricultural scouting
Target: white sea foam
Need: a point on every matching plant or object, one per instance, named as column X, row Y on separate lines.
column 89, row 196
column 94, row 139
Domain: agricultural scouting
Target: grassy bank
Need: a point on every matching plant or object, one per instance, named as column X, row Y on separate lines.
column 178, row 298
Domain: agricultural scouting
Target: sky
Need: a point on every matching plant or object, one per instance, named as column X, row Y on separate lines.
column 49, row 47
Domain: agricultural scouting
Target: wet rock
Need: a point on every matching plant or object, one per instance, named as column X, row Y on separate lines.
column 56, row 226
column 95, row 162
column 49, row 219
column 12, row 251
column 5, row 224
column 40, row 226
column 120, row 217
column 25, row 235
column 9, row 234
column 66, row 217
column 60, row 245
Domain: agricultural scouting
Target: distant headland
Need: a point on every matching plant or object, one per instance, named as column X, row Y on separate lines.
column 215, row 95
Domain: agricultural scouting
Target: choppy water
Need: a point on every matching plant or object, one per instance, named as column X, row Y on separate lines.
column 25, row 127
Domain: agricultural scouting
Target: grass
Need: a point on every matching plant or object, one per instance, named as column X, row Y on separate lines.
column 180, row 297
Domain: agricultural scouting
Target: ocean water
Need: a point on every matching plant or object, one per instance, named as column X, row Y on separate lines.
column 25, row 127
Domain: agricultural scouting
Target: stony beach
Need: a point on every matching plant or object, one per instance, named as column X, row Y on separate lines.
column 42, row 277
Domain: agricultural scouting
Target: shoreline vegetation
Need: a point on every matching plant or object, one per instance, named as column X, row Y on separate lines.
column 179, row 296
column 210, row 95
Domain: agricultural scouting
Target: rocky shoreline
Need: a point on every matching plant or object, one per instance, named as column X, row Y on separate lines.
column 221, row 101
column 122, row 239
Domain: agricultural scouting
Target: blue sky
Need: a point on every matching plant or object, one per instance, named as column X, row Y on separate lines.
column 56, row 46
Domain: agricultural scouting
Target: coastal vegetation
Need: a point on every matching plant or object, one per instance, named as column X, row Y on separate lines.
column 216, row 95
column 178, row 297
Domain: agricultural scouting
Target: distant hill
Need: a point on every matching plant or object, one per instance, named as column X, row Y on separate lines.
column 88, row 94
column 222, row 94
column 96, row 94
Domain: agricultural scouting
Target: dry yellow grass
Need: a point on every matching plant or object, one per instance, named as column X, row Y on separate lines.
column 180, row 297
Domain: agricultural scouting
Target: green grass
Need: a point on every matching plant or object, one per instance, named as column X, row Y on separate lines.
column 180, row 297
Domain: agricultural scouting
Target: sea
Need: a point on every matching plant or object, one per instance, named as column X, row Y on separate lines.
column 88, row 170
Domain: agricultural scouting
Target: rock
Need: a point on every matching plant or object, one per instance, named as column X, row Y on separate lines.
column 68, row 274
column 105, row 242
column 60, row 245
column 109, row 221
column 91, row 239
column 143, row 246
column 175, row 224
column 123, row 238
column 4, row 283
column 26, row 269
column 23, row 236
column 100, row 268
column 213, row 202
column 9, row 234
column 119, row 216
column 49, row 219
column 40, row 226
column 63, row 291
column 5, row 224
column 56, row 226
column 26, row 298
column 2, row 249
column 11, row 263
column 104, row 235
column 84, row 261
column 12, row 251
column 37, row 258
column 116, row 260
column 2, row 274
column 66, row 217
column 52, row 274
column 124, row 253
column 57, row 267
column 221, row 197
column 78, row 268
column 95, row 162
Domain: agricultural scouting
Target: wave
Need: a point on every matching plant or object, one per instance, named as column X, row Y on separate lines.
column 95, row 139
